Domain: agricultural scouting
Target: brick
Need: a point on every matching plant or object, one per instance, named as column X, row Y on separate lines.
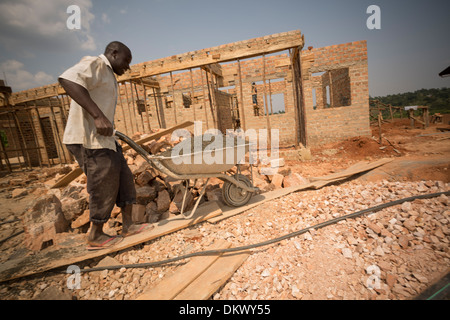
column 42, row 221
column 145, row 194
column 277, row 180
column 81, row 220
column 294, row 179
column 138, row 213
column 145, row 177
column 163, row 201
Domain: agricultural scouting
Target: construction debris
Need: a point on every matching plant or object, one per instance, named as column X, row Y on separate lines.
column 328, row 263
column 158, row 196
column 144, row 211
column 395, row 253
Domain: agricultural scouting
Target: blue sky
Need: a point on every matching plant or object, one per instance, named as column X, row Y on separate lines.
column 406, row 54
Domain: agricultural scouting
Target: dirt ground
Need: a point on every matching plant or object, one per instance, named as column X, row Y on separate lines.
column 420, row 154
column 298, row 268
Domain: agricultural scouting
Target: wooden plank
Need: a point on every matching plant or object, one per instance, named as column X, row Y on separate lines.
column 174, row 284
column 38, row 93
column 356, row 168
column 224, row 53
column 320, row 182
column 214, row 277
column 73, row 248
column 68, row 178
column 75, row 173
column 256, row 200
column 214, row 68
column 241, row 104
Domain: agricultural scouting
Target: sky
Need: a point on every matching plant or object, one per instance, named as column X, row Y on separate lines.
column 406, row 54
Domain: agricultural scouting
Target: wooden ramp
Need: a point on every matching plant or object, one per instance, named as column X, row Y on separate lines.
column 316, row 183
column 200, row 277
column 74, row 250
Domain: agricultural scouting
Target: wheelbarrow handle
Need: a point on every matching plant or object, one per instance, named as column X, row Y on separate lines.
column 132, row 144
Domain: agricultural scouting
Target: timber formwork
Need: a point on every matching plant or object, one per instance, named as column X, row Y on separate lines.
column 210, row 85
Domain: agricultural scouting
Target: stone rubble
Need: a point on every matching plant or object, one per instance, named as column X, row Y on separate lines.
column 395, row 253
column 158, row 196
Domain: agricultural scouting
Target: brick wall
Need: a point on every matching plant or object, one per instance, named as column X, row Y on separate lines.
column 278, row 73
column 338, row 74
column 346, row 74
column 343, row 70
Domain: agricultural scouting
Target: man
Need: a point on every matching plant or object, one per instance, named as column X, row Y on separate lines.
column 89, row 137
column 255, row 99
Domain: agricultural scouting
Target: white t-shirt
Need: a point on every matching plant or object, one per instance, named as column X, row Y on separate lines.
column 96, row 75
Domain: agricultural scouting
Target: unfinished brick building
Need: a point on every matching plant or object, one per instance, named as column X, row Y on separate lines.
column 321, row 96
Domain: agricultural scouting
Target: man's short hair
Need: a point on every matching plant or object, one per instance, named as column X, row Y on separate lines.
column 115, row 46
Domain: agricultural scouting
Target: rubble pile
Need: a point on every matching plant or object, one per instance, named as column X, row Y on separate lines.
column 394, row 253
column 158, row 196
column 58, row 211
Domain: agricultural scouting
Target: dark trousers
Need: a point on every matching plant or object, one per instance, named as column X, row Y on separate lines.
column 109, row 180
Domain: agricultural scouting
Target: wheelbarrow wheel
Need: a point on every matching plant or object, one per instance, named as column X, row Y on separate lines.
column 235, row 196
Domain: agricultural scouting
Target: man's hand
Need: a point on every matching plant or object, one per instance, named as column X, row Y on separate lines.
column 103, row 125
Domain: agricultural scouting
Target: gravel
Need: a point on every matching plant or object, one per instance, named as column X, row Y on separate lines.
column 395, row 253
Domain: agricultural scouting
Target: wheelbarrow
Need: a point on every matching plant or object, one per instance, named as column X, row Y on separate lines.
column 237, row 189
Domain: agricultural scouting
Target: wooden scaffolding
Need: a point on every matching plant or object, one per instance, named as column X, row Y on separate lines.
column 153, row 95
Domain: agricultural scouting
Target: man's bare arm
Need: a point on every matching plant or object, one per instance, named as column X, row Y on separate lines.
column 81, row 96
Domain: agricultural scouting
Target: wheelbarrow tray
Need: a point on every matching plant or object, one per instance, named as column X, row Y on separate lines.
column 206, row 161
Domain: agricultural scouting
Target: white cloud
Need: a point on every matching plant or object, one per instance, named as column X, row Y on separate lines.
column 20, row 79
column 105, row 18
column 89, row 43
column 42, row 23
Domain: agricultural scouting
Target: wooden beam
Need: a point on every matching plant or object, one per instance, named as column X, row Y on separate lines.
column 211, row 96
column 174, row 106
column 266, row 105
column 214, row 68
column 224, row 53
column 145, row 104
column 157, row 108
column 149, row 82
column 192, row 94
column 47, row 91
column 171, row 286
column 241, row 91
column 316, row 183
column 214, row 277
column 22, row 142
column 204, row 99
column 73, row 249
column 210, row 56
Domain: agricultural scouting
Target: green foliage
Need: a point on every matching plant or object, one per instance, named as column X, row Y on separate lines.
column 437, row 99
column 4, row 138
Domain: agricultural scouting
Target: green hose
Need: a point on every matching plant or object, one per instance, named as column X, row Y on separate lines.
column 437, row 292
